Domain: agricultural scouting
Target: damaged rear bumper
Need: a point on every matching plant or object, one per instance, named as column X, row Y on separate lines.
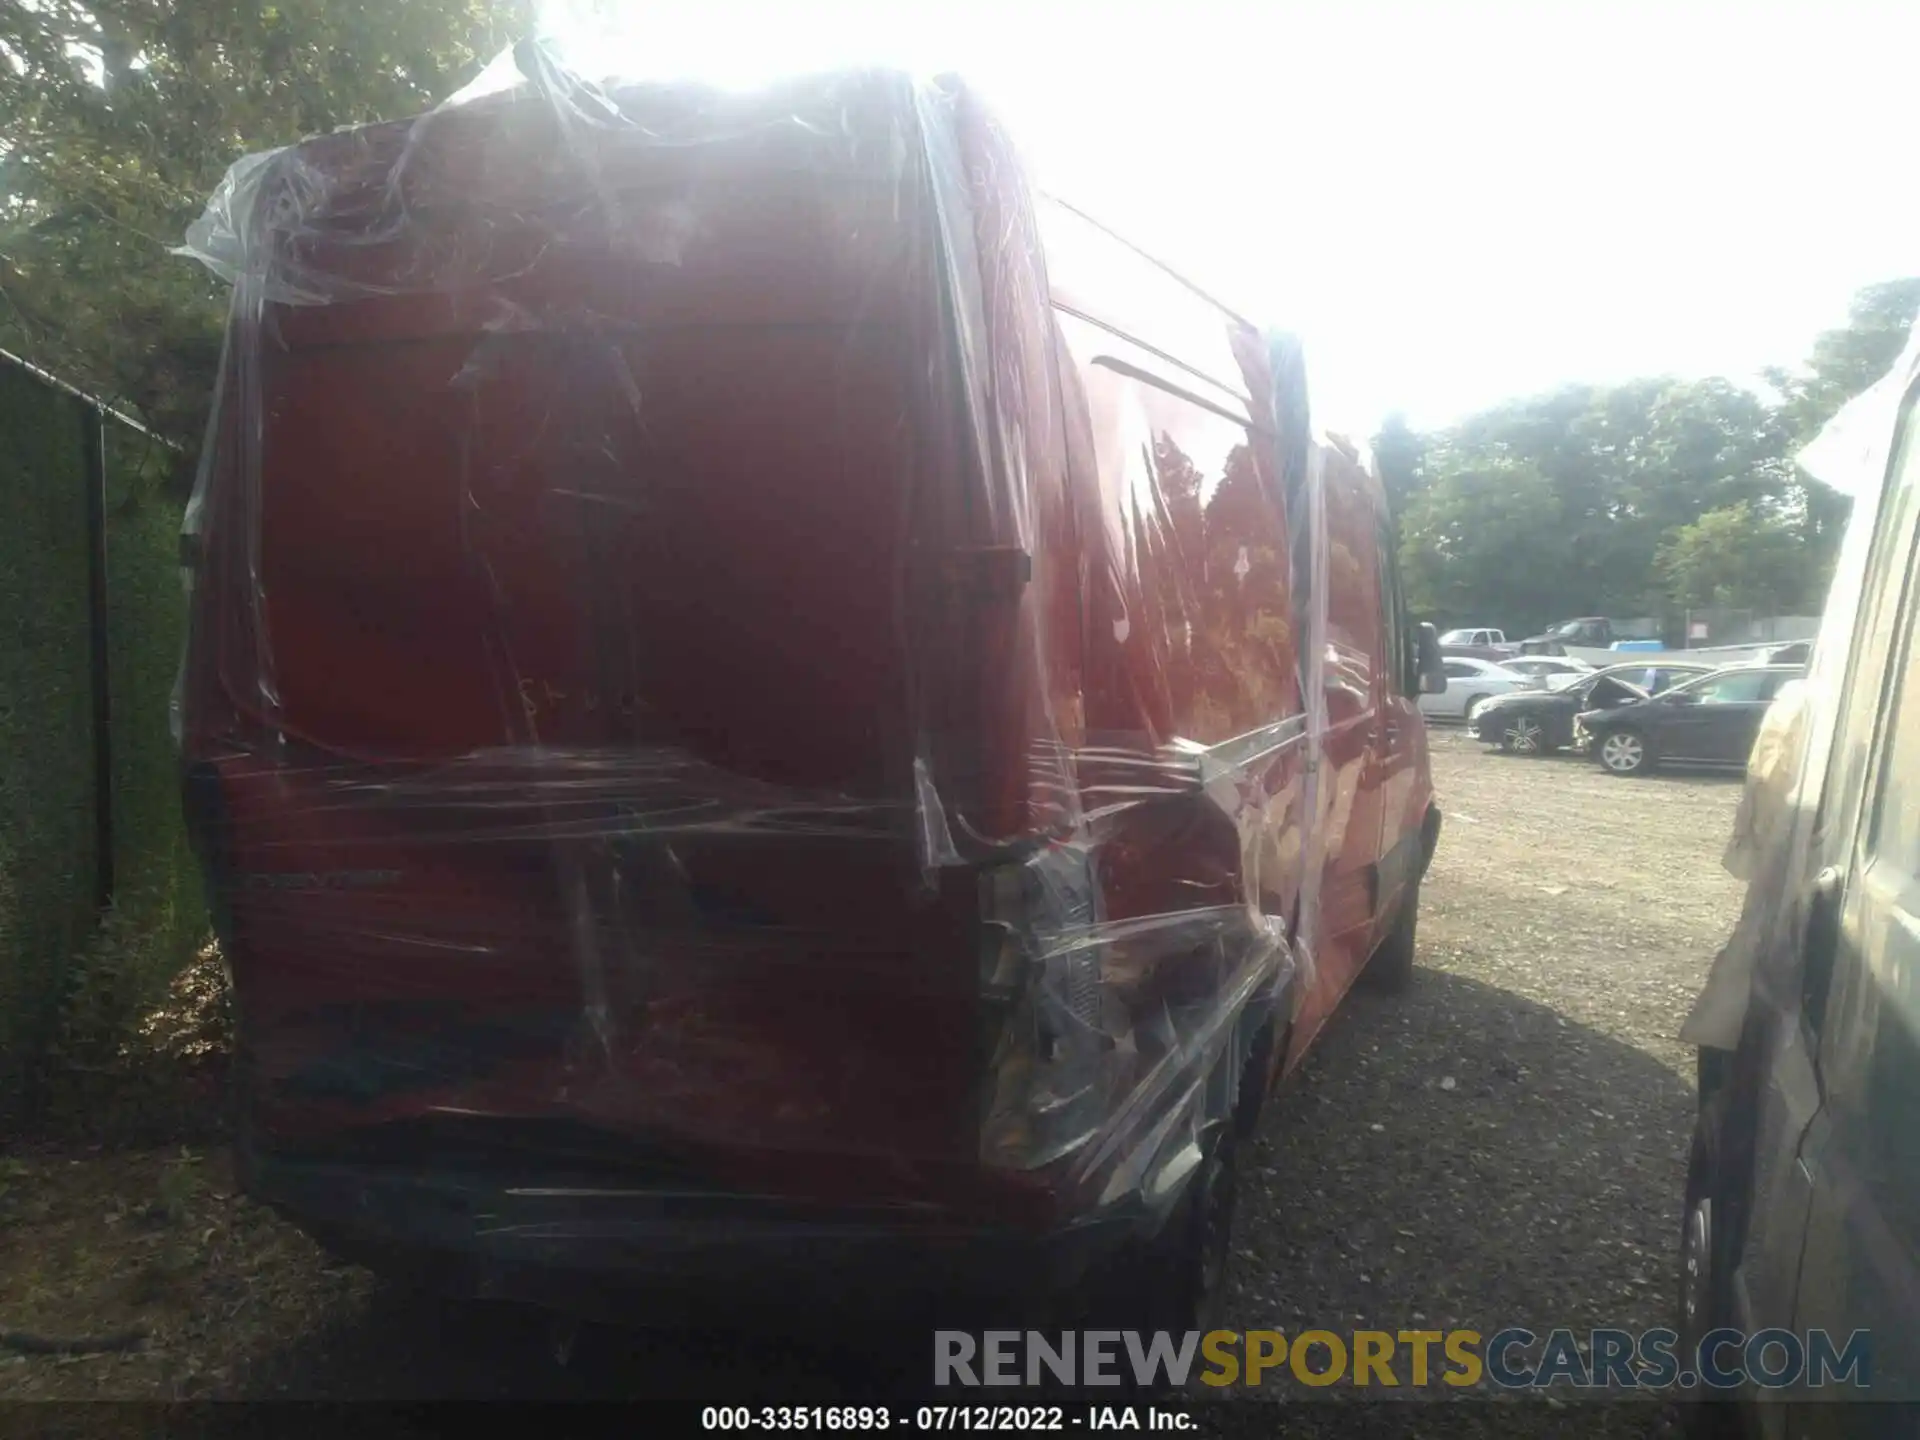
column 616, row 1253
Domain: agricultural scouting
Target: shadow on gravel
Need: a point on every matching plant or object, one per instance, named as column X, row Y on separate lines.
column 1459, row 1157
column 405, row 1347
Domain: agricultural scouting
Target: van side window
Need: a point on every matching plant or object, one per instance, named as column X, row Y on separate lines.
column 1894, row 839
column 1893, row 832
column 1874, row 662
column 1396, row 652
column 1353, row 586
column 1881, row 994
column 1189, row 510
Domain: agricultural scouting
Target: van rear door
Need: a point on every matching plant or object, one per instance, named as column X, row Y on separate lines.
column 559, row 726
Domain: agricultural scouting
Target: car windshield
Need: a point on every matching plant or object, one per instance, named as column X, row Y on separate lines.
column 1457, row 637
column 1608, row 678
column 1566, row 627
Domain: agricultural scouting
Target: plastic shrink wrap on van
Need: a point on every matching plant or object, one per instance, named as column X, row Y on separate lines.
column 553, row 761
column 1793, row 758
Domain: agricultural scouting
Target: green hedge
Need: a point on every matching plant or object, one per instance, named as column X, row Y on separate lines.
column 154, row 868
column 48, row 868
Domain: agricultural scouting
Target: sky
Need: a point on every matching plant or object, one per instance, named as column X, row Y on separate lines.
column 1453, row 203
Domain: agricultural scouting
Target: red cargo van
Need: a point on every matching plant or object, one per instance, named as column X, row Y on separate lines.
column 752, row 704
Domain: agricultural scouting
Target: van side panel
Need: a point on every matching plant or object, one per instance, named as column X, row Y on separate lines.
column 995, row 583
column 1406, row 773
column 1190, row 640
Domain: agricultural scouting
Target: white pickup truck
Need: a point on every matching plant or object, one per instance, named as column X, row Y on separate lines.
column 1480, row 644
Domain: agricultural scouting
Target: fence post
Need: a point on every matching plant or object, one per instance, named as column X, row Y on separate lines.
column 94, row 438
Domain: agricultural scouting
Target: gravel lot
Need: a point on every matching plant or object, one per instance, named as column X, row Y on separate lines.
column 1501, row 1145
column 1567, row 924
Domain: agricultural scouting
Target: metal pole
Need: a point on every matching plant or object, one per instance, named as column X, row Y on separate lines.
column 94, row 440
column 54, row 382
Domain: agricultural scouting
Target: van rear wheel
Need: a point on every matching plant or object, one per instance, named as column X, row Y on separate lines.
column 1175, row 1281
column 1183, row 1274
column 1391, row 967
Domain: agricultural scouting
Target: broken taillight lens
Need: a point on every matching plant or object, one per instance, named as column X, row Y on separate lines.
column 1042, row 996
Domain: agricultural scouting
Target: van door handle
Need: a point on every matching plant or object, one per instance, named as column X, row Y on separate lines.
column 1822, row 945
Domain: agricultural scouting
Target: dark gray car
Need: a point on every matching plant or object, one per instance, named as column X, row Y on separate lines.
column 1538, row 722
column 1710, row 722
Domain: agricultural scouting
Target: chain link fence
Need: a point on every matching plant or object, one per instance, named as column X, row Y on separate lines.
column 1716, row 626
column 92, row 618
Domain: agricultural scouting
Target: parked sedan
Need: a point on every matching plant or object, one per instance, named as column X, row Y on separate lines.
column 1711, row 721
column 1538, row 722
column 1470, row 683
column 1548, row 668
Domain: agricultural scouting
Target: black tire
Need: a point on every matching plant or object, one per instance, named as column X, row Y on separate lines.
column 1252, row 1099
column 1391, row 968
column 1705, row 1299
column 1176, row 1280
column 1182, row 1277
column 1624, row 752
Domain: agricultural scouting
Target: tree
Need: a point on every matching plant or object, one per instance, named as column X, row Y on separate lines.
column 1485, row 540
column 122, row 117
column 1737, row 557
column 1844, row 362
column 1399, row 451
column 1592, row 480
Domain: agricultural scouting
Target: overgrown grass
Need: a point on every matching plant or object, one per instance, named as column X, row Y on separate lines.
column 140, row 1051
column 46, row 781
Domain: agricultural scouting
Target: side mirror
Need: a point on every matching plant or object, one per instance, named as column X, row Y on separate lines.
column 1681, row 697
column 1433, row 668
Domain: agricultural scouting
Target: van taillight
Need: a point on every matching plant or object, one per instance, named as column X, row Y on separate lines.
column 1042, row 1001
